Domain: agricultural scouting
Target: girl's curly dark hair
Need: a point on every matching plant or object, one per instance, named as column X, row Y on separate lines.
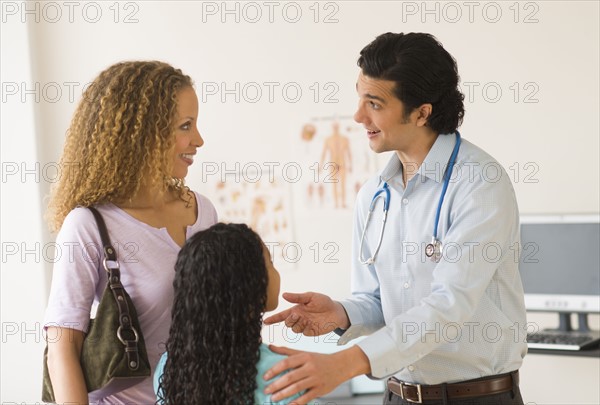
column 220, row 296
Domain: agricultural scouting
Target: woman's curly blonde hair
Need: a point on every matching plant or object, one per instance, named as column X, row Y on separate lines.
column 122, row 132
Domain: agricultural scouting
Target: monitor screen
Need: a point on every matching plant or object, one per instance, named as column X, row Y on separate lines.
column 560, row 263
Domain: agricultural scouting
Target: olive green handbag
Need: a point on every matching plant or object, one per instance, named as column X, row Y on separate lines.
column 113, row 356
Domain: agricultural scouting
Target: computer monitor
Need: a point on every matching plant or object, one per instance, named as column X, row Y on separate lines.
column 560, row 263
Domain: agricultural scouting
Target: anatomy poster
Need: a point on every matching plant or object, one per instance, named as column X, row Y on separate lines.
column 262, row 200
column 335, row 152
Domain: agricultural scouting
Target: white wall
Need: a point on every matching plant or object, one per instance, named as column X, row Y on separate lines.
column 545, row 133
column 23, row 280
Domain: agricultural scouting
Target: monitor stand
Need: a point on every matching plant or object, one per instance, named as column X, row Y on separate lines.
column 565, row 325
column 583, row 322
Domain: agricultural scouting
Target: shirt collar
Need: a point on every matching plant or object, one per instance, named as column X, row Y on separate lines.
column 438, row 157
column 432, row 167
column 393, row 168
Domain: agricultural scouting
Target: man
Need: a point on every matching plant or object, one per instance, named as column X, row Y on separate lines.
column 445, row 324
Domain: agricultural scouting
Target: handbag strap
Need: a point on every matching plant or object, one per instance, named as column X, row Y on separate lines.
column 126, row 332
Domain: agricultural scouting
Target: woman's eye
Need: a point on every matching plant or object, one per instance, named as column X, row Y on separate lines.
column 186, row 126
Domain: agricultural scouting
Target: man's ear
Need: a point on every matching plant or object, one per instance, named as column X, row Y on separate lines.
column 423, row 114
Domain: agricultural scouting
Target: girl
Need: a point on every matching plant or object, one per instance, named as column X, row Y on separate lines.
column 128, row 149
column 224, row 282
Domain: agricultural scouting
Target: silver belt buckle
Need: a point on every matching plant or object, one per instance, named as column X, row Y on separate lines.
column 419, row 395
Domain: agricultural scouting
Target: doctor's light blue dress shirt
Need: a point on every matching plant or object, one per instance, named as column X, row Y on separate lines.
column 459, row 319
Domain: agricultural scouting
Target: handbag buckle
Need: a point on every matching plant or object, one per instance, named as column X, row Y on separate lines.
column 137, row 338
column 113, row 263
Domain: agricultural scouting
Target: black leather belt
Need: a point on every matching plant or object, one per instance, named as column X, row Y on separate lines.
column 418, row 393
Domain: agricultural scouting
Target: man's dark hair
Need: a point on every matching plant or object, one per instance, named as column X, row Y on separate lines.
column 424, row 72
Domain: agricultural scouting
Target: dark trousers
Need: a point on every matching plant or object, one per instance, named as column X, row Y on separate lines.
column 512, row 397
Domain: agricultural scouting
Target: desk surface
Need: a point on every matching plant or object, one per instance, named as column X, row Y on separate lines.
column 595, row 352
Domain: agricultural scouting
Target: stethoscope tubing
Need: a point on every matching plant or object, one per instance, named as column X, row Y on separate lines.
column 447, row 175
column 433, row 250
column 386, row 206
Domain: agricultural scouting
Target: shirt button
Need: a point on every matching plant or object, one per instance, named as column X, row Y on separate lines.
column 406, row 285
column 405, row 201
column 411, row 368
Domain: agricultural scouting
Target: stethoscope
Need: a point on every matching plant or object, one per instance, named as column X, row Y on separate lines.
column 433, row 250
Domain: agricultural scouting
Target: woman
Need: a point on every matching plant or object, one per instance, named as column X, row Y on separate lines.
column 129, row 147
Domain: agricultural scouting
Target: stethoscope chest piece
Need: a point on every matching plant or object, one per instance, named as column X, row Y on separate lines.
column 433, row 250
